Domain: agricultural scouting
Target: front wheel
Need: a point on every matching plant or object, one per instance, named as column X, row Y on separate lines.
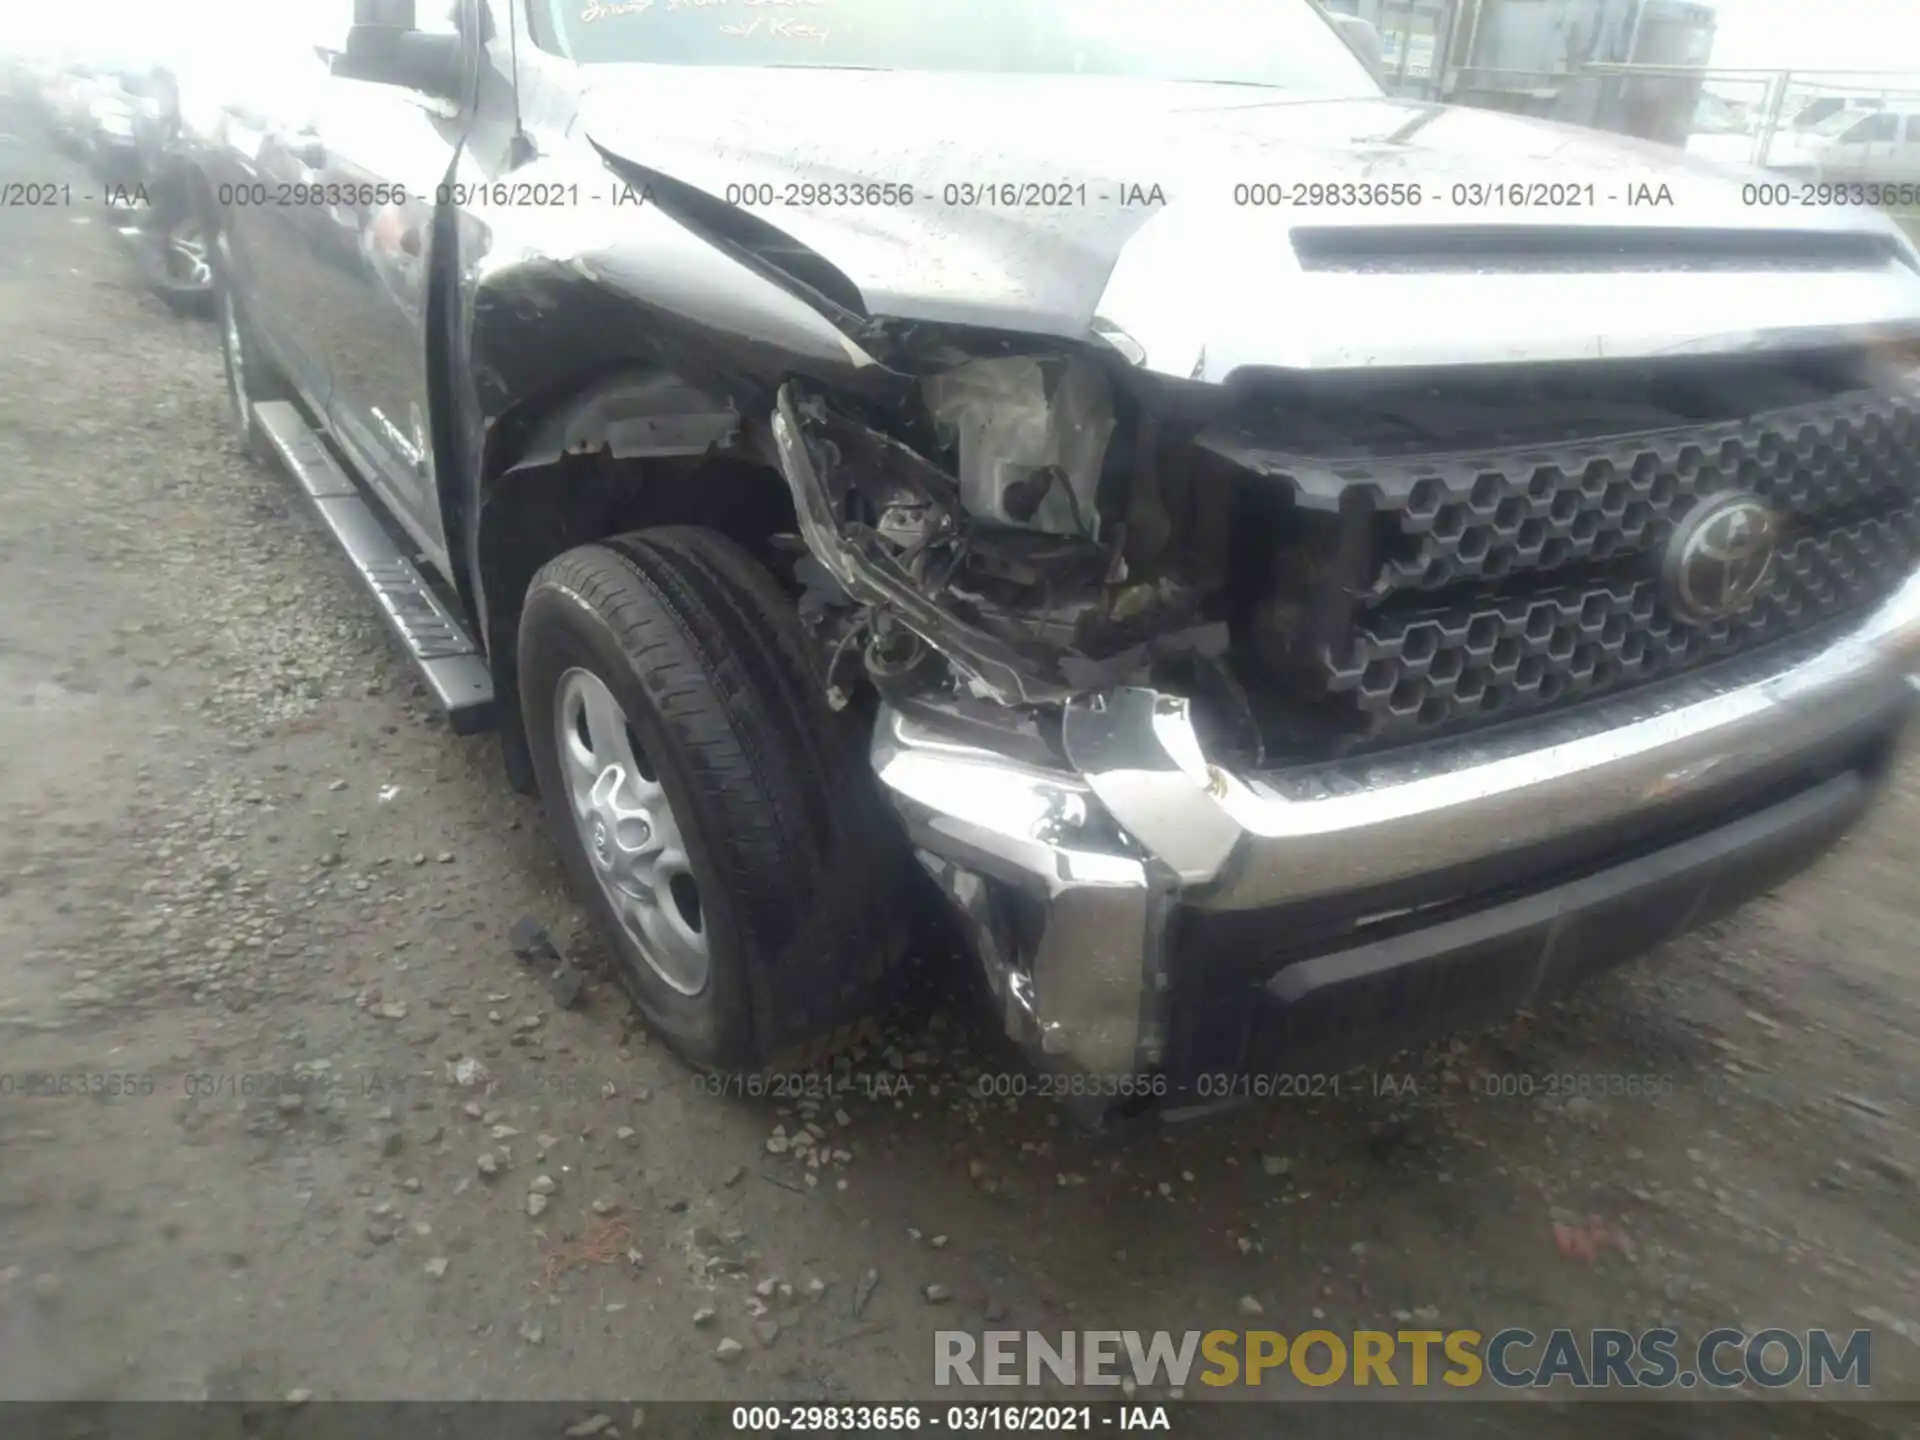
column 187, row 266
column 715, row 815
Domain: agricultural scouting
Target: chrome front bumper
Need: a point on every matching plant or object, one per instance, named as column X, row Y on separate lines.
column 1140, row 820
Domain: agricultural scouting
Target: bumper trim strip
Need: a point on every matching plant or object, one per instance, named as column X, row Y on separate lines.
column 1380, row 819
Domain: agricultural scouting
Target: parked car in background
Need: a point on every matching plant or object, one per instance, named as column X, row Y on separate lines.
column 93, row 108
column 1819, row 111
column 1797, row 150
column 1880, row 148
column 1724, row 116
column 1724, row 130
column 66, row 92
column 1279, row 628
column 125, row 100
column 178, row 112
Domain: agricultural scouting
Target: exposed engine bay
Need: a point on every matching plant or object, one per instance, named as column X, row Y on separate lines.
column 1320, row 573
column 1018, row 562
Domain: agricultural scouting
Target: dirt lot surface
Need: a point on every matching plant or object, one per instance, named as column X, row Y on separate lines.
column 368, row 1154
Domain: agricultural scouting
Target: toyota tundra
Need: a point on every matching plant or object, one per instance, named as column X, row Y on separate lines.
column 1296, row 569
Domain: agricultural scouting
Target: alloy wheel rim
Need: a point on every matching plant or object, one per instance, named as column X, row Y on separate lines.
column 187, row 248
column 628, row 830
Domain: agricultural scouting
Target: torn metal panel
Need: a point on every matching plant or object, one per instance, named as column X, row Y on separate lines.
column 647, row 415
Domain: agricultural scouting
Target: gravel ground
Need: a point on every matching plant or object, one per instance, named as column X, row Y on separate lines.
column 238, row 848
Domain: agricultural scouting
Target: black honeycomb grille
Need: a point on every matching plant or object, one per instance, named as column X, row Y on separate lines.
column 1424, row 671
column 1514, row 581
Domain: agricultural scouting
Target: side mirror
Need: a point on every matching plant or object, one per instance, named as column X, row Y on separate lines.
column 391, row 55
column 1363, row 38
column 388, row 14
column 383, row 47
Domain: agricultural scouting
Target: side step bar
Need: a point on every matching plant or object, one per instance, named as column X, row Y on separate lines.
column 446, row 656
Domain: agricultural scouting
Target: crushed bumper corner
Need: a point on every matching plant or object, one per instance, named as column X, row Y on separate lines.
column 1067, row 915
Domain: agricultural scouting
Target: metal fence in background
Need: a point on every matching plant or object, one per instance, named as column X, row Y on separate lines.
column 1847, row 126
column 1778, row 119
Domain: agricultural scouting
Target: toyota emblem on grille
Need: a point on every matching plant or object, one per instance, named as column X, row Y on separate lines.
column 1719, row 557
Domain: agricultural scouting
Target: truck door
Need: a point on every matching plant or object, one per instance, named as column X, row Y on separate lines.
column 389, row 152
column 262, row 160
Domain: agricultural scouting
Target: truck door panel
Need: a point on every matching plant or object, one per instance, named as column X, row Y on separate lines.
column 389, row 154
column 270, row 145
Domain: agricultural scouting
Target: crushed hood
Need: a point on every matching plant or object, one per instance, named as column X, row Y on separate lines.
column 1151, row 243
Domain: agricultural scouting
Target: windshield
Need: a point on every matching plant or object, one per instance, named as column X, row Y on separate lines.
column 1837, row 122
column 1285, row 44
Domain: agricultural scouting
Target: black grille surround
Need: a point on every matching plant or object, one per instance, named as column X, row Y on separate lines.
column 1512, row 580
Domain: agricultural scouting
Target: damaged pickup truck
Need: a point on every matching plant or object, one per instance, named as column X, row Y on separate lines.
column 1298, row 569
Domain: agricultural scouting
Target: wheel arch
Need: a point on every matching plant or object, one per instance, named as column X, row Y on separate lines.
column 629, row 449
column 610, row 390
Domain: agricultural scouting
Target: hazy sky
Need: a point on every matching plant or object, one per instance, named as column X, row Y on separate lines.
column 1819, row 34
column 1826, row 34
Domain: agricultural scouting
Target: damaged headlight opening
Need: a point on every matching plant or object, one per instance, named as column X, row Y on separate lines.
column 1018, row 540
column 1031, row 436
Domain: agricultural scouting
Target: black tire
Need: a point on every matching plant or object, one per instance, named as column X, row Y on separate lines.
column 801, row 871
column 253, row 379
column 189, row 303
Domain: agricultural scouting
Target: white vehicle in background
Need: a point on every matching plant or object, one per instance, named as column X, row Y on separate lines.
column 1825, row 107
column 1726, row 131
column 1797, row 150
column 1733, row 136
column 1881, row 148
